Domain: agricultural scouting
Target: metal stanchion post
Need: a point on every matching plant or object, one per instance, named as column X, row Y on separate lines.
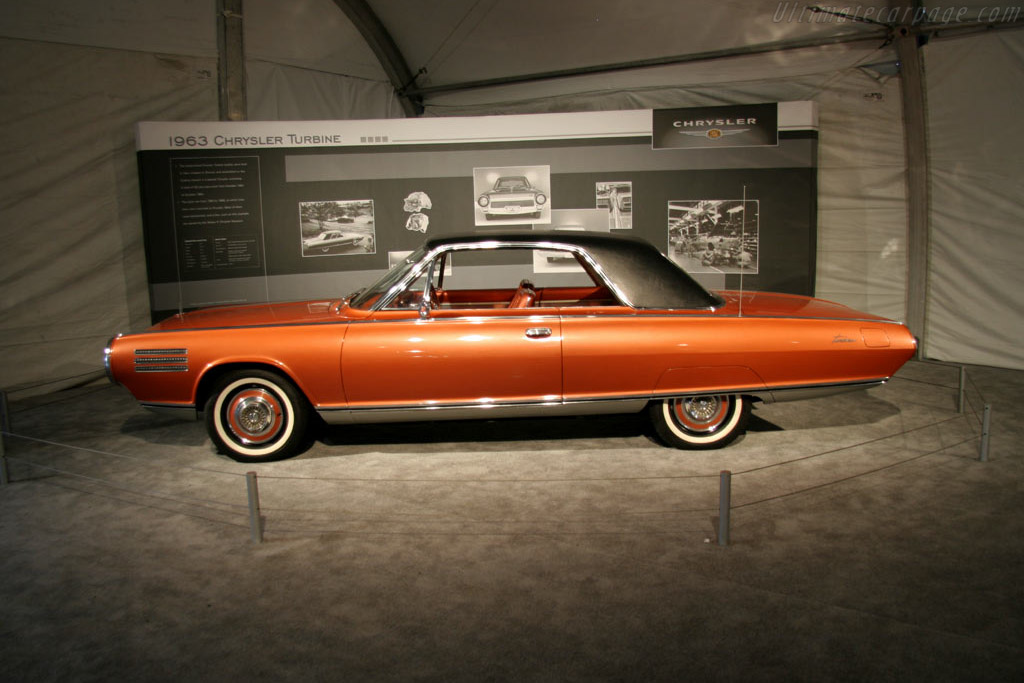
column 724, row 504
column 963, row 382
column 4, row 428
column 255, row 521
column 985, row 421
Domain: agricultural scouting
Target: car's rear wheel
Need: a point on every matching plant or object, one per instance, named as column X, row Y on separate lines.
column 256, row 416
column 696, row 422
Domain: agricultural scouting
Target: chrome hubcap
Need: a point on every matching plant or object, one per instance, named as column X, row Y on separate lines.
column 254, row 415
column 701, row 414
column 702, row 409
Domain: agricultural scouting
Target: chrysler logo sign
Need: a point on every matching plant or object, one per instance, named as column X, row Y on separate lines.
column 714, row 133
column 747, row 125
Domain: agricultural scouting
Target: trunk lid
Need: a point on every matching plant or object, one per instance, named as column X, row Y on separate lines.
column 774, row 305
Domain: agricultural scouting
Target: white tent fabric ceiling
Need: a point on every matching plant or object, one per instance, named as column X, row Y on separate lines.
column 79, row 75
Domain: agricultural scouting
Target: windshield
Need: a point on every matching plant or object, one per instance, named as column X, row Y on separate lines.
column 511, row 184
column 367, row 297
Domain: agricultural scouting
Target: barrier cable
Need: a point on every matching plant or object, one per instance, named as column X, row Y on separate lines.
column 354, row 518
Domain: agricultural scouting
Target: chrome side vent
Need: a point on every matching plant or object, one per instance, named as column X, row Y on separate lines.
column 161, row 360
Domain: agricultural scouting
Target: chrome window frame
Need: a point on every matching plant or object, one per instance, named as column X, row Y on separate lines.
column 547, row 245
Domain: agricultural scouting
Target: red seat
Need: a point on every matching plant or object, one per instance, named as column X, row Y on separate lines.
column 523, row 298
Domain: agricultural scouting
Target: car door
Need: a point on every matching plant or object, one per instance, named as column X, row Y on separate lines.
column 611, row 352
column 475, row 353
column 617, row 352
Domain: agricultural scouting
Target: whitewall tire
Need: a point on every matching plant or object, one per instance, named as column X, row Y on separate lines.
column 697, row 422
column 256, row 416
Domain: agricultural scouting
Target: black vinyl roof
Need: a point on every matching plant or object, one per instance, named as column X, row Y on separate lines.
column 633, row 268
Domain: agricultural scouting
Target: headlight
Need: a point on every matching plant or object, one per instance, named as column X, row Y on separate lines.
column 484, row 200
column 540, row 199
column 107, row 350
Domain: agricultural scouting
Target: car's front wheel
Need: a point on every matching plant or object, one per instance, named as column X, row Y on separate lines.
column 256, row 416
column 696, row 422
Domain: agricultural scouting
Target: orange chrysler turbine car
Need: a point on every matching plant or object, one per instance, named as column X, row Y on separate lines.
column 596, row 324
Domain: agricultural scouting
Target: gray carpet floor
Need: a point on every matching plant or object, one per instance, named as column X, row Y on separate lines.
column 866, row 542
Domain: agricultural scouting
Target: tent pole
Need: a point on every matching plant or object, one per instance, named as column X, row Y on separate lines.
column 877, row 36
column 912, row 90
column 231, row 61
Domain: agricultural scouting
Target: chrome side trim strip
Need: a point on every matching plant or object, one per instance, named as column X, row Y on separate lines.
column 565, row 313
column 573, row 407
column 800, row 393
column 480, row 411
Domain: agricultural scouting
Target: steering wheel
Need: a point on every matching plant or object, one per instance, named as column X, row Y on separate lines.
column 406, row 299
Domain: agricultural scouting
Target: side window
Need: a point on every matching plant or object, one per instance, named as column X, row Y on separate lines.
column 519, row 278
column 412, row 295
column 505, row 269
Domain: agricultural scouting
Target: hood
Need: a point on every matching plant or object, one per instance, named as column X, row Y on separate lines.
column 291, row 313
column 773, row 305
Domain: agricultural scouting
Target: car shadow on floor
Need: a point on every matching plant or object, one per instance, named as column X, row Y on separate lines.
column 569, row 433
column 163, row 430
column 840, row 410
column 756, row 423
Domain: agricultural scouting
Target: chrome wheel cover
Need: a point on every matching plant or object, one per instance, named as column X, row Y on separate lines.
column 255, row 416
column 701, row 414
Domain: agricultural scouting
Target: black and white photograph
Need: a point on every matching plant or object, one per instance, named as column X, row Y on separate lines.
column 714, row 235
column 341, row 227
column 511, row 195
column 594, row 220
column 617, row 199
column 415, row 204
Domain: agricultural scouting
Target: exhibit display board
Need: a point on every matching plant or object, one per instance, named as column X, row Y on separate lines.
column 245, row 212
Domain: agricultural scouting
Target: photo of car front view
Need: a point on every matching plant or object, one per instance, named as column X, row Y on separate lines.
column 512, row 195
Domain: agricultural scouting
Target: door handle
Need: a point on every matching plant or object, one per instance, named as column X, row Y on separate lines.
column 538, row 332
